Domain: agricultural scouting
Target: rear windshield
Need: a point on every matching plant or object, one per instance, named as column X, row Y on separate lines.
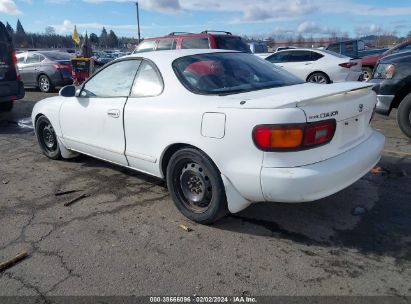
column 58, row 55
column 231, row 43
column 334, row 54
column 7, row 71
column 229, row 73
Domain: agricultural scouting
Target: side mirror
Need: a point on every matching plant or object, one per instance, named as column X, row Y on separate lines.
column 68, row 91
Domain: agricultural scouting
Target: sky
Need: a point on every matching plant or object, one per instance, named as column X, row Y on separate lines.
column 256, row 18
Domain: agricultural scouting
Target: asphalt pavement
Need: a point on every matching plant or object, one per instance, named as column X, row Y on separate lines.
column 124, row 237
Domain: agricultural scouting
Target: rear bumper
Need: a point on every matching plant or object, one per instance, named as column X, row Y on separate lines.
column 316, row 181
column 11, row 90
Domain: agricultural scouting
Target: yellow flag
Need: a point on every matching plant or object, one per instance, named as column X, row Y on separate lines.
column 75, row 36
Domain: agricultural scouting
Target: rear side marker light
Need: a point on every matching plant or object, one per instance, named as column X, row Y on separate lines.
column 293, row 137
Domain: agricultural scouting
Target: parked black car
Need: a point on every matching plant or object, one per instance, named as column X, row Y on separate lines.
column 393, row 78
column 45, row 69
column 11, row 88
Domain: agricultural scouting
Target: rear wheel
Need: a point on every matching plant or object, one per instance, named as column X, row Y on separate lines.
column 44, row 84
column 404, row 115
column 47, row 138
column 6, row 106
column 366, row 73
column 196, row 187
column 318, row 77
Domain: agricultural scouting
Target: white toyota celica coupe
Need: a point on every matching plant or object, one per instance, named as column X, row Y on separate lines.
column 224, row 129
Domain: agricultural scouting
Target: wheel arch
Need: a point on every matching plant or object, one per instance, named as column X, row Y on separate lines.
column 318, row 71
column 170, row 150
column 404, row 91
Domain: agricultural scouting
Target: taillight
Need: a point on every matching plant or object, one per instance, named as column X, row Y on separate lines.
column 62, row 67
column 293, row 137
column 14, row 58
column 348, row 65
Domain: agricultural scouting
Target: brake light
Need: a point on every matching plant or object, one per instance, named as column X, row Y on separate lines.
column 14, row 58
column 348, row 65
column 62, row 66
column 293, row 137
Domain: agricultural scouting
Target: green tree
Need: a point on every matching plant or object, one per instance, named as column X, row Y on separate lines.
column 94, row 39
column 9, row 29
column 112, row 39
column 103, row 37
column 20, row 36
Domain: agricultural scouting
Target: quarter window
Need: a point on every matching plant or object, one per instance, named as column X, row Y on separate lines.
column 113, row 81
column 33, row 58
column 166, row 44
column 195, row 43
column 148, row 81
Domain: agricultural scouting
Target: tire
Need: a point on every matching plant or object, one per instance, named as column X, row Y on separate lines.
column 319, row 77
column 196, row 187
column 6, row 106
column 404, row 115
column 47, row 138
column 367, row 73
column 45, row 84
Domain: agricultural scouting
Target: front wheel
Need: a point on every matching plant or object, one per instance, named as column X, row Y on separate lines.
column 44, row 84
column 318, row 77
column 6, row 106
column 404, row 115
column 366, row 73
column 196, row 186
column 47, row 138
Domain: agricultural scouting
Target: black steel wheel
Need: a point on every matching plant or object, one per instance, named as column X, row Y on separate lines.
column 45, row 84
column 47, row 138
column 196, row 187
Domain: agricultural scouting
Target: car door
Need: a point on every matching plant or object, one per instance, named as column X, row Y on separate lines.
column 30, row 69
column 92, row 123
column 299, row 63
column 142, row 117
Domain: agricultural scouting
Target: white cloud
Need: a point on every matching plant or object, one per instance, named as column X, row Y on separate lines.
column 311, row 27
column 9, row 7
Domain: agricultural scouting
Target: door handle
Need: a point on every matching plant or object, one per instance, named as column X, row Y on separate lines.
column 113, row 113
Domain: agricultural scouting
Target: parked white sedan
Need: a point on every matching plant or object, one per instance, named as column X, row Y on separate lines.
column 225, row 129
column 319, row 66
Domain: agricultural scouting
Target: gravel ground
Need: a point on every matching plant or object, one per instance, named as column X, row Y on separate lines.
column 125, row 239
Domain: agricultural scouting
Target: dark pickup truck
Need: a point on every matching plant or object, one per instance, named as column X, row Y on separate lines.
column 11, row 88
column 392, row 77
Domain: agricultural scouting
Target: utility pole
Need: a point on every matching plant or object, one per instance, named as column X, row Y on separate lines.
column 138, row 22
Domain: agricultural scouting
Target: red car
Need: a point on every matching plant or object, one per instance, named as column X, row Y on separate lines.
column 203, row 40
column 369, row 62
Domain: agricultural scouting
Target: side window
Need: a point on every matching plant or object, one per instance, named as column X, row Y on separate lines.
column 299, row 56
column 113, row 81
column 279, row 57
column 166, row 44
column 195, row 43
column 33, row 58
column 315, row 56
column 148, row 81
column 146, row 46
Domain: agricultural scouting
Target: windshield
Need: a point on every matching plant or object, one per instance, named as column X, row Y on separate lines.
column 230, row 73
column 231, row 43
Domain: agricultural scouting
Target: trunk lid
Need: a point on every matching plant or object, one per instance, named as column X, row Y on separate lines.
column 350, row 104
